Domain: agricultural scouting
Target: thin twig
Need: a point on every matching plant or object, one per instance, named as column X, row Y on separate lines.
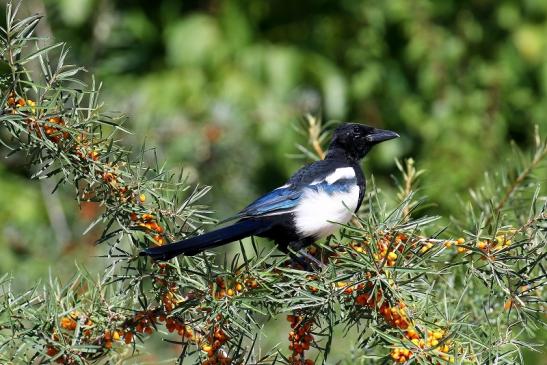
column 540, row 155
column 314, row 133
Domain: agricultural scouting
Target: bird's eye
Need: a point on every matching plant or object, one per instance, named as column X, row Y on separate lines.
column 356, row 130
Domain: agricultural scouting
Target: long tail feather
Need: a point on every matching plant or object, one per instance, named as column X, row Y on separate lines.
column 194, row 245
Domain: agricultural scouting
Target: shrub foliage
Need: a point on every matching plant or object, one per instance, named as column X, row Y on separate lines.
column 411, row 290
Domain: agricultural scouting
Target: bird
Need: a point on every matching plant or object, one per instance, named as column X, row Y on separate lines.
column 311, row 205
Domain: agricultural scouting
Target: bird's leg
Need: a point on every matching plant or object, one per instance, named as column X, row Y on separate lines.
column 300, row 261
column 304, row 259
column 311, row 258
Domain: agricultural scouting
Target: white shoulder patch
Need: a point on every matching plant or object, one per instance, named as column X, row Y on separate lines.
column 283, row 187
column 319, row 214
column 340, row 174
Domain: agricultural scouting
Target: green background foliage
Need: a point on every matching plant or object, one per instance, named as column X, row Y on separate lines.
column 218, row 87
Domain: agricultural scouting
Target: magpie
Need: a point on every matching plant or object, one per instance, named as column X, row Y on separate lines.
column 309, row 206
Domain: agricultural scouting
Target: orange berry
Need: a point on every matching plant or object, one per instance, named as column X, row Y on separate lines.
column 51, row 351
column 128, row 337
column 291, row 318
column 482, row 245
column 94, row 155
column 108, row 176
column 206, row 348
column 116, row 336
column 142, row 198
column 68, row 323
column 412, row 334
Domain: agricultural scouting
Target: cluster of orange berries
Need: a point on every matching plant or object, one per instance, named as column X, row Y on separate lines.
column 70, row 323
column 15, row 102
column 219, row 358
column 389, row 254
column 347, row 287
column 236, row 287
column 401, row 354
column 52, row 128
column 312, row 288
column 52, row 351
column 395, row 316
column 388, row 248
column 458, row 244
column 170, row 299
column 84, row 151
column 487, row 246
column 432, row 341
column 111, row 336
column 144, row 322
column 496, row 244
column 110, row 177
column 211, row 344
column 174, row 325
column 300, row 338
column 149, row 223
column 215, row 354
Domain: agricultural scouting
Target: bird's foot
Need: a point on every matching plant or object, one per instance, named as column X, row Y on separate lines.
column 306, row 261
column 312, row 259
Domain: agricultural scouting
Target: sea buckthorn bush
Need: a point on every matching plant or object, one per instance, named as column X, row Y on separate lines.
column 402, row 286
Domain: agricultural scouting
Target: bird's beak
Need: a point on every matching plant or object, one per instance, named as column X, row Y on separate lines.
column 380, row 135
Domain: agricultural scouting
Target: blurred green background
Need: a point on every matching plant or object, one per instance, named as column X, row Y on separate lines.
column 218, row 87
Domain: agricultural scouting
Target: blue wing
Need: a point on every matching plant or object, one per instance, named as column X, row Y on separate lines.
column 279, row 201
column 285, row 199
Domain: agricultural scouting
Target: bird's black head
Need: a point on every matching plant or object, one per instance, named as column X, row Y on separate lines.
column 353, row 140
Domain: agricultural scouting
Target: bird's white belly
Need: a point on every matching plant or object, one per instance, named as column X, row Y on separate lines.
column 318, row 214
